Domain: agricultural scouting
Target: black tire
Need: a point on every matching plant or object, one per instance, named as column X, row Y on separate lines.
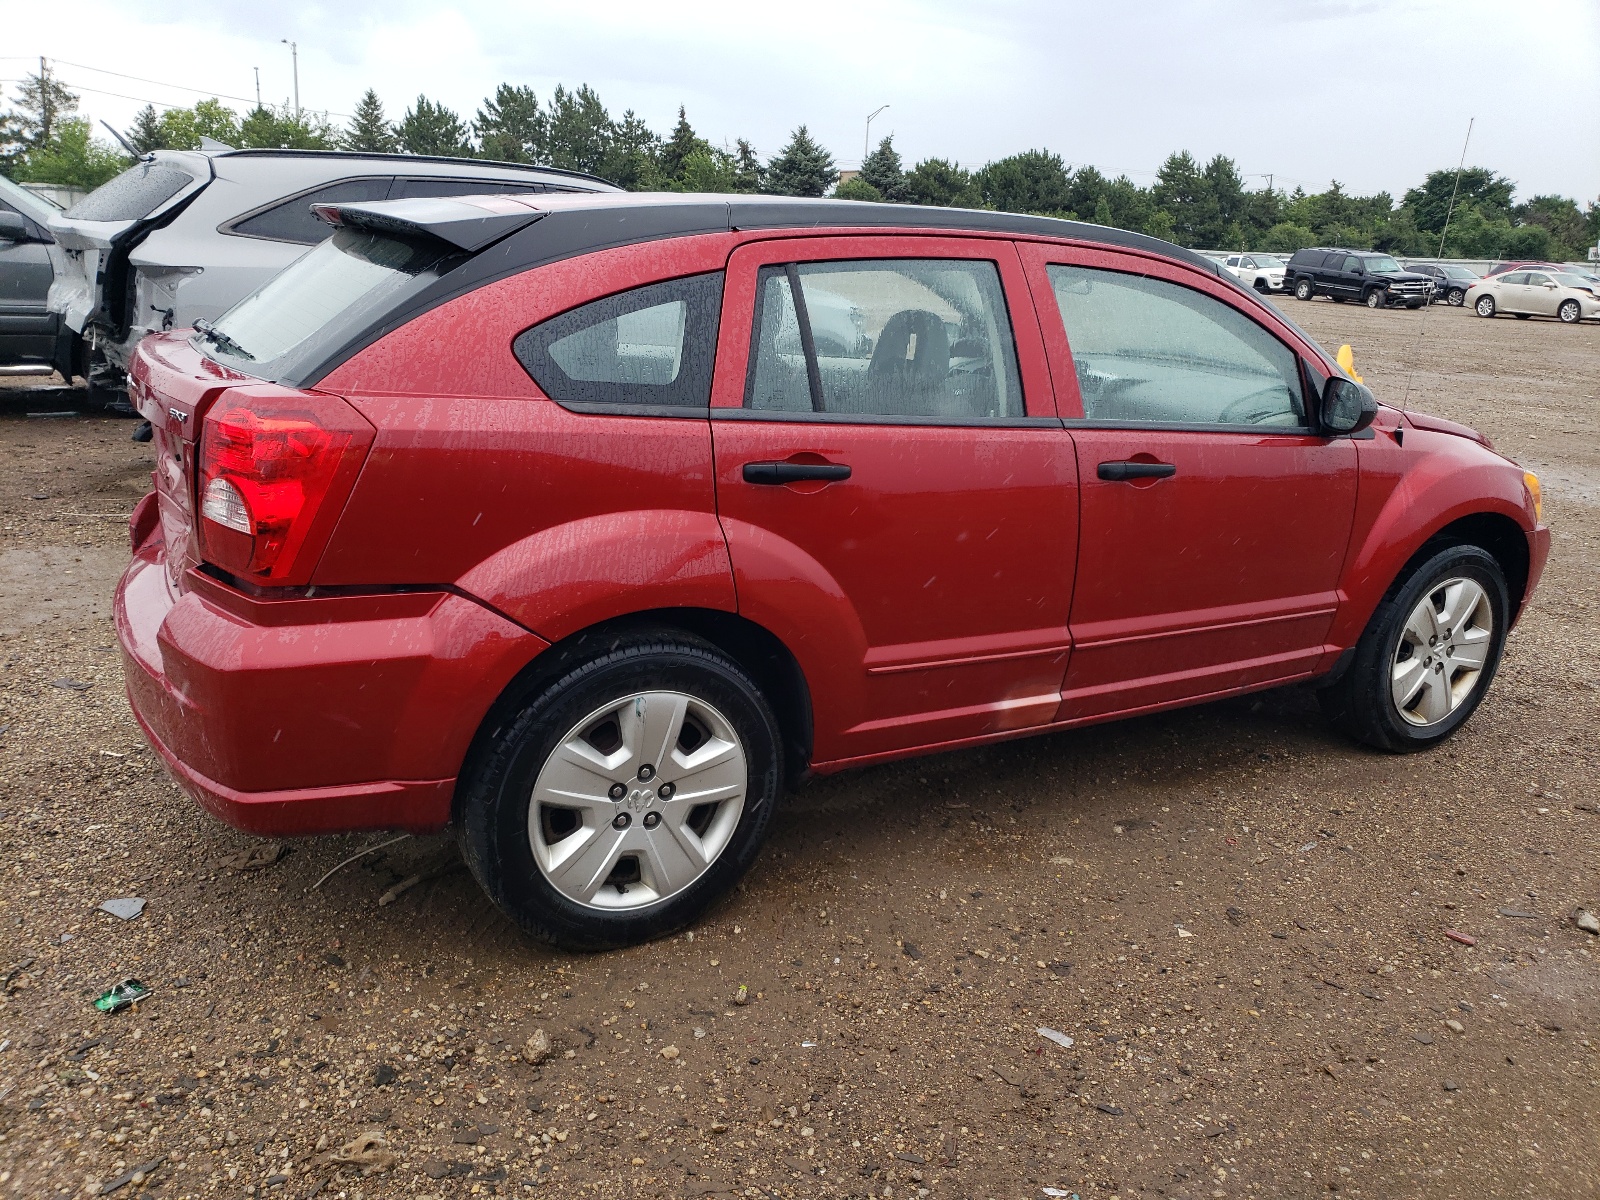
column 1570, row 312
column 1261, row 285
column 1374, row 298
column 1415, row 304
column 1360, row 702
column 1304, row 289
column 1456, row 297
column 1337, row 299
column 493, row 801
column 1484, row 306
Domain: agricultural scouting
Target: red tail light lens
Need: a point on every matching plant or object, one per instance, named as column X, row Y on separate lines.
column 275, row 469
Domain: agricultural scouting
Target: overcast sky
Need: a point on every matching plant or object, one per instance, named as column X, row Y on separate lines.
column 1373, row 93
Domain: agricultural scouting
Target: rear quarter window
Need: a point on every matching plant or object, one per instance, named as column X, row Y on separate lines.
column 292, row 220
column 136, row 193
column 651, row 347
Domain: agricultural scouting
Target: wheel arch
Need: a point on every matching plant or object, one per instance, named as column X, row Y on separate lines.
column 769, row 662
column 1494, row 532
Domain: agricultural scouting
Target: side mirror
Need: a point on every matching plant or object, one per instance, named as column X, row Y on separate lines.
column 1347, row 406
column 14, row 228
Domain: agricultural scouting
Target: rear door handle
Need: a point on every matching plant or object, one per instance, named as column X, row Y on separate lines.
column 1134, row 470
column 794, row 472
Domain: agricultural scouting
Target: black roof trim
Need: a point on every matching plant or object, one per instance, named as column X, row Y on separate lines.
column 378, row 156
column 575, row 223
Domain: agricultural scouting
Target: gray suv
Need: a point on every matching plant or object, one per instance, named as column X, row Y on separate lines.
column 33, row 341
column 184, row 235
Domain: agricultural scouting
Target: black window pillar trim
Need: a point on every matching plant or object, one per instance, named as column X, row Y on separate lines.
column 808, row 343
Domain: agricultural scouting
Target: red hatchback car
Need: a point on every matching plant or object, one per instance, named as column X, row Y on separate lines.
column 586, row 523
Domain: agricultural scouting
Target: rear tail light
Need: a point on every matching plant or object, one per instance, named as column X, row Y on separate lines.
column 275, row 469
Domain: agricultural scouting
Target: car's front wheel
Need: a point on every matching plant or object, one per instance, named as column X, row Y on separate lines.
column 1303, row 290
column 1374, row 298
column 626, row 797
column 1427, row 656
column 1570, row 312
column 1456, row 297
column 1484, row 307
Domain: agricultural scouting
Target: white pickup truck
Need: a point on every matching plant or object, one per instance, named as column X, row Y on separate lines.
column 1264, row 272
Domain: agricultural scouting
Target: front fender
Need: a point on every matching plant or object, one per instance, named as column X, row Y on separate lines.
column 1408, row 493
column 570, row 576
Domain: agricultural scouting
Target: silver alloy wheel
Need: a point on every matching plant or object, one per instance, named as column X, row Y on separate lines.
column 1485, row 306
column 1570, row 312
column 1442, row 651
column 637, row 800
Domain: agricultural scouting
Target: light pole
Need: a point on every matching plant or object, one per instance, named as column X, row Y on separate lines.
column 866, row 141
column 294, row 54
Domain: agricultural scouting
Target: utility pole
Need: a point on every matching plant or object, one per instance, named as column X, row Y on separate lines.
column 294, row 53
column 257, row 70
column 44, row 102
column 866, row 142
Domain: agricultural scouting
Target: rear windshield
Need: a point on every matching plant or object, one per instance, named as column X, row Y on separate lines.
column 136, row 193
column 331, row 295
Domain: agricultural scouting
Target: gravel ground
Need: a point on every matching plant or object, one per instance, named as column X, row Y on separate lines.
column 1239, row 918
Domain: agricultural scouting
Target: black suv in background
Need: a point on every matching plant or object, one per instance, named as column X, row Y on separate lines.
column 1370, row 276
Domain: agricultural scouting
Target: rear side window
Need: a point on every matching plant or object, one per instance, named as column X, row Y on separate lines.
column 136, row 193
column 1149, row 352
column 1515, row 277
column 650, row 347
column 293, row 221
column 884, row 337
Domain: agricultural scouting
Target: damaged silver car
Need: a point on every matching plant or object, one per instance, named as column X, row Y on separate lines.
column 183, row 235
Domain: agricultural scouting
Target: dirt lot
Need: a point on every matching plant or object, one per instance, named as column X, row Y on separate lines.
column 1239, row 917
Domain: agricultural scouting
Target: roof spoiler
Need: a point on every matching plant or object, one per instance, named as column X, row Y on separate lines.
column 466, row 222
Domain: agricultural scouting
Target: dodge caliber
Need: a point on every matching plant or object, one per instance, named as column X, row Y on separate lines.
column 584, row 525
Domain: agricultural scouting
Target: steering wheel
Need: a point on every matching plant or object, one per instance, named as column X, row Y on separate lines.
column 1253, row 408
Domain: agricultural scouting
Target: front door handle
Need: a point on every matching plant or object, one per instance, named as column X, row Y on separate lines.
column 1136, row 470
column 794, row 472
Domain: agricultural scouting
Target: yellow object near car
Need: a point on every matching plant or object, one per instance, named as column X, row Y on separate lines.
column 1346, row 359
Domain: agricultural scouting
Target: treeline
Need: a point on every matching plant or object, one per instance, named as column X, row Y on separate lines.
column 1206, row 206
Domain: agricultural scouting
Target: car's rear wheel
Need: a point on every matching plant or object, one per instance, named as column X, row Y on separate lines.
column 626, row 797
column 1428, row 655
column 1261, row 285
column 1456, row 296
column 1570, row 312
column 1484, row 307
column 1303, row 289
column 1374, row 298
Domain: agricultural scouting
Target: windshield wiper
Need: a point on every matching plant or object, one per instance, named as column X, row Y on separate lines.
column 221, row 340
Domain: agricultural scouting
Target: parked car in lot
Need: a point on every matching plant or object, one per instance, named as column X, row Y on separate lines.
column 181, row 236
column 1450, row 282
column 1369, row 276
column 551, row 518
column 32, row 338
column 1524, row 294
column 1264, row 272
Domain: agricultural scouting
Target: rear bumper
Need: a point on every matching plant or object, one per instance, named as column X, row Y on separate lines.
column 307, row 716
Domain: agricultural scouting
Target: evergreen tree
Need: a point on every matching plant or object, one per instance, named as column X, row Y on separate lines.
column 1102, row 212
column 881, row 171
column 429, row 128
column 12, row 144
column 630, row 156
column 1034, row 181
column 42, row 102
column 707, row 170
column 580, row 129
column 749, row 174
column 677, row 148
column 146, row 133
column 369, row 129
column 1489, row 193
column 1180, row 193
column 511, row 127
column 802, row 168
column 938, row 181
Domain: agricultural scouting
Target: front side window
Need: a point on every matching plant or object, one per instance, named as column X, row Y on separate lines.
column 1352, row 264
column 652, row 346
column 907, row 337
column 1149, row 352
column 1515, row 277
